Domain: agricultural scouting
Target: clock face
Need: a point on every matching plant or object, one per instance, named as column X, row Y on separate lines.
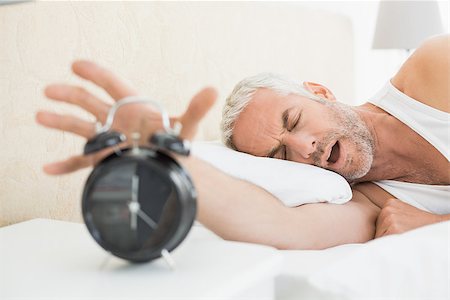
column 131, row 205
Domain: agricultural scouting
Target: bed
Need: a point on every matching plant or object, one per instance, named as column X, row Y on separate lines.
column 413, row 265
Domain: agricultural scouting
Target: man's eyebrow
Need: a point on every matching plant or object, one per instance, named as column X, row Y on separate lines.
column 274, row 151
column 285, row 117
column 284, row 120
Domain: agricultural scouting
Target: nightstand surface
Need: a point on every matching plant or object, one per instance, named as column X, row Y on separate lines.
column 43, row 259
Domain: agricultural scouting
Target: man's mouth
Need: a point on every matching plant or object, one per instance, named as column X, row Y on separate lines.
column 334, row 153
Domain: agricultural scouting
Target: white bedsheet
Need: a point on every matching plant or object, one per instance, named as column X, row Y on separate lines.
column 298, row 265
column 413, row 265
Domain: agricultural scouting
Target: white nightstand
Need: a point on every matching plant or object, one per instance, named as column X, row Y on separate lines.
column 47, row 259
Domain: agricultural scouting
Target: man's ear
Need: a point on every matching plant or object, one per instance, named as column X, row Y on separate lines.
column 319, row 90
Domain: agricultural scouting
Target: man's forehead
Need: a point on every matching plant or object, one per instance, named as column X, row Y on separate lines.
column 263, row 106
column 259, row 126
column 268, row 96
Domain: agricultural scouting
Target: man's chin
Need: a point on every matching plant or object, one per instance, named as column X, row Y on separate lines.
column 354, row 171
column 356, row 175
column 350, row 175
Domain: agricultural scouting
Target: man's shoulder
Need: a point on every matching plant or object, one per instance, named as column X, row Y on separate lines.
column 425, row 75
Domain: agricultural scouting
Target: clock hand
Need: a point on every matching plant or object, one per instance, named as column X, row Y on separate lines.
column 134, row 206
column 147, row 219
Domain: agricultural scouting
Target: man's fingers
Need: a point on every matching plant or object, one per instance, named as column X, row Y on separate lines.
column 78, row 162
column 200, row 104
column 110, row 82
column 66, row 123
column 80, row 97
column 380, row 231
column 378, row 227
column 384, row 220
column 69, row 165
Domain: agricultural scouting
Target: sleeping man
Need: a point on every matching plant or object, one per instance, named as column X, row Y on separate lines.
column 394, row 150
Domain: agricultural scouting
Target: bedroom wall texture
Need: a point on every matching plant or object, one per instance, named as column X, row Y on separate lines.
column 168, row 50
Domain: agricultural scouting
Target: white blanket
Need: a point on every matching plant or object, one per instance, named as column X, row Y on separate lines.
column 413, row 265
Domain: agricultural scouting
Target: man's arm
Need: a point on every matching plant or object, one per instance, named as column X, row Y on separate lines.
column 232, row 208
column 237, row 210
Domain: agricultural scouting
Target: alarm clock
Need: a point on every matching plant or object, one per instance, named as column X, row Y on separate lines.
column 139, row 203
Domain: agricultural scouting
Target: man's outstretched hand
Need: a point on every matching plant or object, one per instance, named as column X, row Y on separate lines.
column 131, row 118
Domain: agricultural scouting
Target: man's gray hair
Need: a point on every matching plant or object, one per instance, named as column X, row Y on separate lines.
column 243, row 93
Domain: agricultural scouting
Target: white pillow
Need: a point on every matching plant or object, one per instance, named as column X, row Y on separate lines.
column 292, row 183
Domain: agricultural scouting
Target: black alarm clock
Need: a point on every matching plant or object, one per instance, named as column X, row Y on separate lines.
column 139, row 203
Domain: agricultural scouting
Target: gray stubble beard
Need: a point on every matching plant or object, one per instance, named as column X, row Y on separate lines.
column 351, row 128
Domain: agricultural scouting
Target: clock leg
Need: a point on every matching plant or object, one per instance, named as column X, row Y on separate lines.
column 168, row 258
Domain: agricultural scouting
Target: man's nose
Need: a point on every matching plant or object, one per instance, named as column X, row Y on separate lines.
column 302, row 144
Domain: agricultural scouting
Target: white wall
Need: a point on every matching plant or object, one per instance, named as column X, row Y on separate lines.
column 167, row 50
column 372, row 67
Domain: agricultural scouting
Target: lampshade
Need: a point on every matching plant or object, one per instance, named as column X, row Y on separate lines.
column 6, row 2
column 405, row 24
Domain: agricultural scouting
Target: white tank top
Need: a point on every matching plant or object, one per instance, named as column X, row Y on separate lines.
column 433, row 125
